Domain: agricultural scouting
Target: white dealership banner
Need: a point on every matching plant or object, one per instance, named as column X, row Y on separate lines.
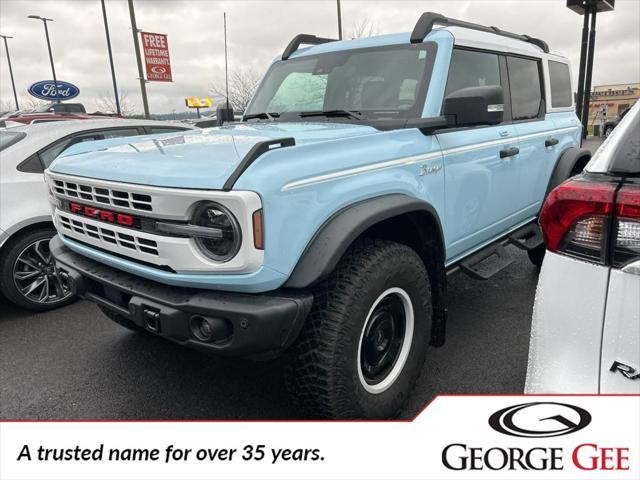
column 454, row 437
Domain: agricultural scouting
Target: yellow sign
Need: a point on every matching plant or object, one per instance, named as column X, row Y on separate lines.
column 195, row 102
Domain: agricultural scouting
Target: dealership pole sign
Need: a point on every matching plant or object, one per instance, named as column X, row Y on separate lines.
column 46, row 90
column 156, row 57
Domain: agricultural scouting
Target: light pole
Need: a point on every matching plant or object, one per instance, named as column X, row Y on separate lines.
column 46, row 33
column 136, row 46
column 339, row 22
column 13, row 84
column 113, row 70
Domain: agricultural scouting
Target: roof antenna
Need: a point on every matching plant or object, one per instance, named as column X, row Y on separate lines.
column 226, row 73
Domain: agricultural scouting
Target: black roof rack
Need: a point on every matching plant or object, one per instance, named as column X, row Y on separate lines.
column 307, row 40
column 428, row 19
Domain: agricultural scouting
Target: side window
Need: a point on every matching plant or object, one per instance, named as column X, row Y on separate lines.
column 560, row 84
column 164, row 129
column 524, row 82
column 49, row 154
column 120, row 132
column 472, row 69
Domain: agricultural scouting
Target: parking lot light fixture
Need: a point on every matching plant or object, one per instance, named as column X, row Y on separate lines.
column 13, row 83
column 46, row 33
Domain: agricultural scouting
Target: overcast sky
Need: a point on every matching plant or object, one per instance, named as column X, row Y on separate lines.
column 259, row 30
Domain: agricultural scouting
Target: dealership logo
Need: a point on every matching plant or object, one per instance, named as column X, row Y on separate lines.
column 540, row 419
column 158, row 70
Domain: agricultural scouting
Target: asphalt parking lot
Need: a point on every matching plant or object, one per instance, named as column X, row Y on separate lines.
column 73, row 363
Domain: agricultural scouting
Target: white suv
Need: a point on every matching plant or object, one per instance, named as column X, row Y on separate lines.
column 27, row 275
column 585, row 334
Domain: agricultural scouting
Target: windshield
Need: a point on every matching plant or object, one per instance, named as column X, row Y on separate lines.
column 9, row 138
column 374, row 83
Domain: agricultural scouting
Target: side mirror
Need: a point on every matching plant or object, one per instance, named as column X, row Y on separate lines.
column 475, row 106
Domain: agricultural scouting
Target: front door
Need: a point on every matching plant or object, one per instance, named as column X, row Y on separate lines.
column 480, row 163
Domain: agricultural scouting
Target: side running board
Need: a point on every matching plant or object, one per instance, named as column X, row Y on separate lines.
column 493, row 258
column 487, row 262
column 528, row 237
column 253, row 154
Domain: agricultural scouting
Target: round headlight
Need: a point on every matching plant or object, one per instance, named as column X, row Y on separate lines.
column 221, row 247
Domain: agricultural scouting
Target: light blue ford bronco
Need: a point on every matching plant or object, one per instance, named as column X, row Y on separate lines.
column 324, row 224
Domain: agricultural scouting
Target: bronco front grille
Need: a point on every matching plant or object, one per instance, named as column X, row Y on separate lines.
column 105, row 196
column 108, row 236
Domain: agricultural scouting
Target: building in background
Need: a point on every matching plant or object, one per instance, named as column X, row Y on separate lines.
column 607, row 101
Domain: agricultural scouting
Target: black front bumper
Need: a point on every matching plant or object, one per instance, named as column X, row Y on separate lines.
column 257, row 325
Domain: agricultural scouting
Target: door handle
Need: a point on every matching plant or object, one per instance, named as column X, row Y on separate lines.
column 550, row 142
column 509, row 152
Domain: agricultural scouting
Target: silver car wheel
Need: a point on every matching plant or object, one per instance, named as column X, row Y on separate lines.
column 35, row 276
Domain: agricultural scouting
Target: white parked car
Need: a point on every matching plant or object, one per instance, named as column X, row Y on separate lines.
column 27, row 276
column 585, row 334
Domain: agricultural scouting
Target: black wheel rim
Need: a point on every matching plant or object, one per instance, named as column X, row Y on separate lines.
column 382, row 339
column 35, row 275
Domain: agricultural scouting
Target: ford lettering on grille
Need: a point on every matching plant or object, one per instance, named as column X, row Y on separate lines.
column 104, row 215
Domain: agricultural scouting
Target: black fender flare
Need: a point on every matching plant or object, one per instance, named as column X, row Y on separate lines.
column 335, row 236
column 565, row 165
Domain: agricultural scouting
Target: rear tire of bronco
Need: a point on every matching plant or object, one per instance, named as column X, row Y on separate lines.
column 536, row 255
column 364, row 342
column 120, row 320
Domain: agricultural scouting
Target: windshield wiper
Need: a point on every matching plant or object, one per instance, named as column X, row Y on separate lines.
column 333, row 113
column 265, row 115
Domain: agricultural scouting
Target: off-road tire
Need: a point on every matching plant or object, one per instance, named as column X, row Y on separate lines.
column 322, row 368
column 8, row 257
column 120, row 320
column 536, row 255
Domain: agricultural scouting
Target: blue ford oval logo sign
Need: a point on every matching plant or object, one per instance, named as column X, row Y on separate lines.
column 46, row 90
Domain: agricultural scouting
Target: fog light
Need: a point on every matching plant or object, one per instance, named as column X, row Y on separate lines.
column 208, row 329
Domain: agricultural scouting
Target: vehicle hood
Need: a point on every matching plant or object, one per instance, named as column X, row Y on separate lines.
column 191, row 159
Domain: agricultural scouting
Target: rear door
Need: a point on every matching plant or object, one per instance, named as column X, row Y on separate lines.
column 537, row 139
column 480, row 181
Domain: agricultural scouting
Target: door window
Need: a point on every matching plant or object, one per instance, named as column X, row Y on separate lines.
column 472, row 69
column 524, row 83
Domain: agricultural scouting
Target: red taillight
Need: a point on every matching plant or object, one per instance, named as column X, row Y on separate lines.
column 626, row 245
column 587, row 219
column 574, row 218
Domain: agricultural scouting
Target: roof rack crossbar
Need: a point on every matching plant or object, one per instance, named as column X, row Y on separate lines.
column 428, row 20
column 306, row 39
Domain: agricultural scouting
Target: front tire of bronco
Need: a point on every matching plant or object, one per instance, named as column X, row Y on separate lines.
column 364, row 342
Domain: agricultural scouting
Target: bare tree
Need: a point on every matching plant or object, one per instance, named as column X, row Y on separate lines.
column 364, row 27
column 242, row 85
column 27, row 101
column 106, row 103
column 7, row 105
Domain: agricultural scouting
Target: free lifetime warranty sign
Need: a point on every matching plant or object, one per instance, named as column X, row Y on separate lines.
column 156, row 57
